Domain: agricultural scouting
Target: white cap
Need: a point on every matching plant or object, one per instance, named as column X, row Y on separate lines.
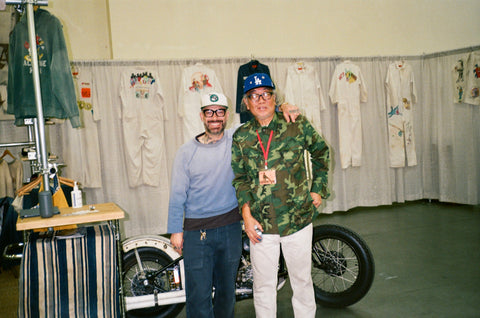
column 213, row 98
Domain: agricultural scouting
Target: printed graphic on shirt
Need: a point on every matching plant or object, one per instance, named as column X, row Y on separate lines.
column 85, row 93
column 406, row 103
column 40, row 49
column 459, row 71
column 393, row 111
column 199, row 82
column 84, row 90
column 349, row 76
column 142, row 82
column 459, row 78
column 395, row 130
column 475, row 92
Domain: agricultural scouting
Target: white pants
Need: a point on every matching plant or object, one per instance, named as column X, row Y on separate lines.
column 145, row 153
column 350, row 135
column 297, row 251
column 401, row 138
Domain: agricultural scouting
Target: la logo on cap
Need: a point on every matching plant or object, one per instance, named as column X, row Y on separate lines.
column 258, row 81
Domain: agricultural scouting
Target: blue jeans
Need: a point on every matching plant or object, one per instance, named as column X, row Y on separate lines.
column 212, row 262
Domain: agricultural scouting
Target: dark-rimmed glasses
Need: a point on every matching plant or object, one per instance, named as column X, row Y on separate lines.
column 210, row 112
column 256, row 97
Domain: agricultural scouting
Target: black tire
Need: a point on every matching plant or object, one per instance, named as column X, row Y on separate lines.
column 342, row 266
column 152, row 259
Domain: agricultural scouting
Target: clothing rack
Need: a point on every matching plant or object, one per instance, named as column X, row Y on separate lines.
column 39, row 122
column 21, row 2
column 17, row 144
column 31, row 142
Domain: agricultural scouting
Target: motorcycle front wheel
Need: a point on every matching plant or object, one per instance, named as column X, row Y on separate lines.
column 138, row 283
column 342, row 266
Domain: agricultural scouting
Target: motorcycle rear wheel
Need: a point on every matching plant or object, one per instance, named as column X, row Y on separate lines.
column 342, row 266
column 152, row 259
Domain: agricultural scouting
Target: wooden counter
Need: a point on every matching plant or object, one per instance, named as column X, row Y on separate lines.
column 69, row 216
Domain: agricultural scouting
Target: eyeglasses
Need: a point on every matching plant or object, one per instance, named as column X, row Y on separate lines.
column 256, row 97
column 210, row 112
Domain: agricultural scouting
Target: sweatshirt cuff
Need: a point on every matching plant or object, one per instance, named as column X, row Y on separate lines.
column 75, row 121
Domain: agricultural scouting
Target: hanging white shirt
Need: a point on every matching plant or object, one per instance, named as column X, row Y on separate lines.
column 303, row 89
column 81, row 148
column 196, row 81
column 472, row 92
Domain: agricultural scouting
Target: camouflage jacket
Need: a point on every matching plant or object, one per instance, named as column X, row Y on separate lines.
column 285, row 207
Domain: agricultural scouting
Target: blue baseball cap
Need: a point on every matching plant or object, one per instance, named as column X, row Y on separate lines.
column 257, row 80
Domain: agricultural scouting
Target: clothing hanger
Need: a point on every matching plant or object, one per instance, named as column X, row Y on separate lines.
column 7, row 153
column 28, row 187
column 66, row 181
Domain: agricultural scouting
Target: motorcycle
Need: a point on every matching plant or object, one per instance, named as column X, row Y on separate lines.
column 154, row 285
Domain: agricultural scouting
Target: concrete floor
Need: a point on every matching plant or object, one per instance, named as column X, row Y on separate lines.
column 427, row 262
column 427, row 258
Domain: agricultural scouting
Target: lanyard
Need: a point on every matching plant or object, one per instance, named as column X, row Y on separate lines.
column 265, row 153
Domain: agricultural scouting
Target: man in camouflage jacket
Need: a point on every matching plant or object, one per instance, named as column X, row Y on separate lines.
column 268, row 160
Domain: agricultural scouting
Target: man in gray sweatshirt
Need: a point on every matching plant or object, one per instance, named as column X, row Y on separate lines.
column 203, row 215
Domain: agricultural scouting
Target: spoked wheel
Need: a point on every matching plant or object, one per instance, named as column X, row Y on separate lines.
column 139, row 283
column 342, row 266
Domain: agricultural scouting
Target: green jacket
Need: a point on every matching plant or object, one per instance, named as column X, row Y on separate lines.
column 285, row 207
column 56, row 82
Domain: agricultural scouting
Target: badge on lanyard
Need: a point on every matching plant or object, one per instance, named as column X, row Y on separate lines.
column 267, row 176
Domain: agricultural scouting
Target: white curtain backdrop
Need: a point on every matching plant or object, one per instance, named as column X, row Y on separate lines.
column 447, row 135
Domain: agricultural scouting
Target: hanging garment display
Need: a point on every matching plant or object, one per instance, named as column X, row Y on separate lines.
column 472, row 92
column 3, row 81
column 6, row 185
column 16, row 172
column 347, row 90
column 57, row 90
column 245, row 71
column 401, row 95
column 303, row 89
column 458, row 76
column 142, row 117
column 3, row 104
column 11, row 174
column 196, row 81
column 81, row 148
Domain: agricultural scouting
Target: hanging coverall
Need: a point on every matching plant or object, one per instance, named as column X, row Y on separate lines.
column 347, row 90
column 143, row 114
column 401, row 95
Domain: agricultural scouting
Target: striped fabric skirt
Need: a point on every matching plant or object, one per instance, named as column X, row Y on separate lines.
column 70, row 276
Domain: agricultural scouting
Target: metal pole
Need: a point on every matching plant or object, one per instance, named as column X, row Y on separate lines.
column 18, row 144
column 42, row 150
column 18, row 2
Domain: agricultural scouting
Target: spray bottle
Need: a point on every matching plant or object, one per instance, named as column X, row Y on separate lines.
column 77, row 201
